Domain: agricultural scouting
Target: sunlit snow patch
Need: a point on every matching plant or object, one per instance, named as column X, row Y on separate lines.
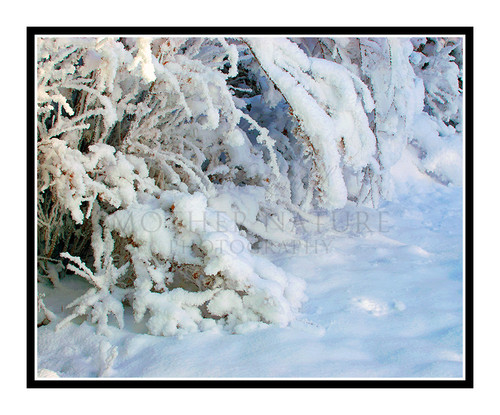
column 377, row 308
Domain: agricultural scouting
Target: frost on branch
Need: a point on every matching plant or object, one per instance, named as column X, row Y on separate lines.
column 161, row 161
column 330, row 104
column 187, row 257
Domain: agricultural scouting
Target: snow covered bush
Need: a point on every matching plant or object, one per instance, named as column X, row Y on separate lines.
column 161, row 160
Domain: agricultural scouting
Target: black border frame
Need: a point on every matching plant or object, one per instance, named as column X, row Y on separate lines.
column 467, row 32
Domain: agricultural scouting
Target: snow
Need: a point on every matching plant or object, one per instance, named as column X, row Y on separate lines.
column 144, row 58
column 181, row 196
column 322, row 130
column 381, row 304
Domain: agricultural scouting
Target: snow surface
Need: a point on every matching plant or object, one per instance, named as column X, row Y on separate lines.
column 381, row 304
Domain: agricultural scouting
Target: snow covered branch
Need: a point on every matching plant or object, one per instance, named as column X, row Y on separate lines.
column 160, row 161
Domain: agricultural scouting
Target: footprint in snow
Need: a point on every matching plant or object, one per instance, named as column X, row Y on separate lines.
column 378, row 308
